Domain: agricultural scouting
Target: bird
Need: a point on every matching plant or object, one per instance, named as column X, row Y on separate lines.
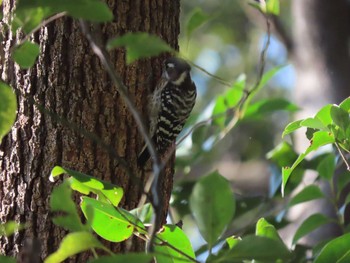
column 169, row 106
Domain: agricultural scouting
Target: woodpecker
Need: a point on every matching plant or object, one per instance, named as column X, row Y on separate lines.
column 169, row 106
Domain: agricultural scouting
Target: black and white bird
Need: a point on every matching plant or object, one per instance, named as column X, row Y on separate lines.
column 169, row 106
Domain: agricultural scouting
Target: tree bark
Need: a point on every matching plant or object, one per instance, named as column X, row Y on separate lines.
column 69, row 80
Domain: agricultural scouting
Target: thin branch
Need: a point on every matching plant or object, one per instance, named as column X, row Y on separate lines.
column 343, row 156
column 43, row 23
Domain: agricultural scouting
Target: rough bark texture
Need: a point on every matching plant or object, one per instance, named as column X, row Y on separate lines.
column 70, row 81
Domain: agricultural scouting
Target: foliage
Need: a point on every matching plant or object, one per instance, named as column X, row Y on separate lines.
column 210, row 200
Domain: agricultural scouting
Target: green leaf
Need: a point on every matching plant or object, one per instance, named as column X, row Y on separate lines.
column 319, row 139
column 8, row 108
column 91, row 10
column 4, row 259
column 267, row 106
column 291, row 127
column 340, row 117
column 172, row 236
column 26, row 54
column 324, row 115
column 10, row 227
column 313, row 123
column 85, row 184
column 255, row 248
column 196, row 19
column 345, row 104
column 29, row 18
column 144, row 213
column 124, row 258
column 343, row 180
column 337, row 250
column 310, row 224
column 61, row 201
column 273, row 7
column 308, row 193
column 232, row 241
column 113, row 224
column 265, row 229
column 139, row 45
column 228, row 100
column 264, row 80
column 73, row 244
column 212, row 205
column 283, row 154
column 326, row 167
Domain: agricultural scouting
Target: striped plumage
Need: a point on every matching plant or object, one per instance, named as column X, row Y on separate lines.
column 170, row 105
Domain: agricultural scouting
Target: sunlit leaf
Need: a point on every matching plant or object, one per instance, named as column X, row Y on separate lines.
column 212, row 205
column 324, row 115
column 139, row 45
column 26, row 54
column 313, row 123
column 61, row 201
column 8, row 108
column 308, row 193
column 232, row 241
column 265, row 229
column 85, row 184
column 113, row 224
column 340, row 117
column 171, row 237
column 273, row 7
column 196, row 19
column 73, row 244
column 345, row 104
column 291, row 127
column 319, row 139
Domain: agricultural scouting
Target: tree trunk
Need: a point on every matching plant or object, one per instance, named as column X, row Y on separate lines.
column 71, row 82
column 320, row 55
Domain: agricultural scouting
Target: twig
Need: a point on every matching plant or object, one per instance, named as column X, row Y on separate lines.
column 43, row 23
column 343, row 156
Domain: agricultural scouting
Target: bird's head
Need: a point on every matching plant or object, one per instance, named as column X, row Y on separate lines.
column 176, row 70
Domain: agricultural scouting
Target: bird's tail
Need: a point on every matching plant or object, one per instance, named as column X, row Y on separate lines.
column 143, row 157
